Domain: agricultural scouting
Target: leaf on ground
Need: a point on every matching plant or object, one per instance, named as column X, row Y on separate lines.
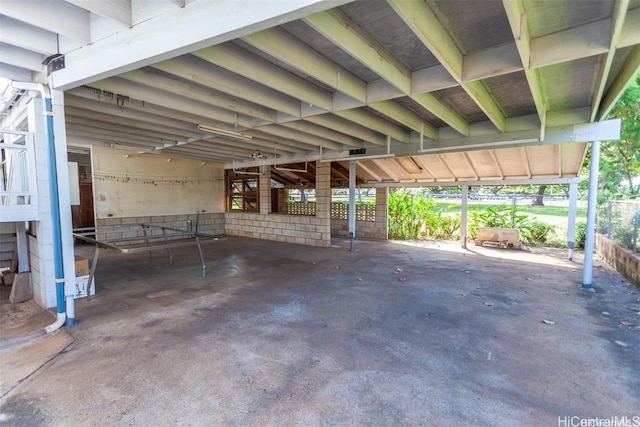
column 488, row 304
column 397, row 270
column 528, row 278
column 467, row 272
column 463, row 294
column 402, row 279
column 314, row 263
column 359, row 279
column 548, row 322
column 626, row 323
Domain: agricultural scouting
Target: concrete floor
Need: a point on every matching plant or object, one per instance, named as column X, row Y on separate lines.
column 392, row 334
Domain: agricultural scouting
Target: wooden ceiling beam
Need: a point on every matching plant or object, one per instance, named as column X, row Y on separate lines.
column 57, row 17
column 122, row 119
column 204, row 73
column 295, row 135
column 372, row 121
column 568, row 45
column 368, row 171
column 628, row 72
column 518, row 22
column 28, row 37
column 146, row 77
column 21, row 58
column 619, row 14
column 425, row 25
column 118, row 10
column 250, row 66
column 338, row 28
column 283, row 46
column 329, row 134
column 118, row 86
column 348, row 128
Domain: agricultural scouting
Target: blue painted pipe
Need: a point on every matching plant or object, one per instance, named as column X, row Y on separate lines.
column 55, row 210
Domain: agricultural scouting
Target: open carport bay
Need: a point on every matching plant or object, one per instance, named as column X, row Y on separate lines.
column 392, row 334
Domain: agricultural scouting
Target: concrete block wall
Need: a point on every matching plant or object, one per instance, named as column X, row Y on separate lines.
column 304, row 230
column 377, row 229
column 208, row 223
column 622, row 259
column 364, row 229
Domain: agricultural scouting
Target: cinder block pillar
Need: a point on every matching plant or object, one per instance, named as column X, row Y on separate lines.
column 323, row 190
column 382, row 211
column 264, row 184
column 323, row 200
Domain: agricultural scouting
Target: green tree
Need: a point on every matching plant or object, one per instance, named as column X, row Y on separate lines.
column 620, row 159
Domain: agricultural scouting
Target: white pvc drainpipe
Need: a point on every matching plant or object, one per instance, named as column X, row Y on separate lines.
column 55, row 202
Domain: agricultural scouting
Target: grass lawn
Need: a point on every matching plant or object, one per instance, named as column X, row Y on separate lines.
column 554, row 215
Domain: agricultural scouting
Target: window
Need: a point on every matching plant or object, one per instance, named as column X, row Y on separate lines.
column 242, row 193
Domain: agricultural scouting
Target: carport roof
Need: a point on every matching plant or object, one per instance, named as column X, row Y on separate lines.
column 438, row 91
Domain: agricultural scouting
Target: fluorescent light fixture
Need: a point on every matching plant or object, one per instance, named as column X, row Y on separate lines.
column 278, row 168
column 241, row 172
column 224, row 132
column 371, row 157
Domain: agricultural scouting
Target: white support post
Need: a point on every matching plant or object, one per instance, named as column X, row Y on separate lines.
column 571, row 227
column 587, row 272
column 352, row 204
column 463, row 215
column 64, row 196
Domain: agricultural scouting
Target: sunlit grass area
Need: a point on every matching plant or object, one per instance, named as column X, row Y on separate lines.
column 554, row 215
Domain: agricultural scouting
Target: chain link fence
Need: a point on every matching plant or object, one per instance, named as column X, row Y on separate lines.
column 620, row 220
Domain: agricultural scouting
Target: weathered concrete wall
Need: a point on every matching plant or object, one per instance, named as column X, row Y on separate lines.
column 304, row 230
column 622, row 259
column 377, row 229
column 126, row 185
column 209, row 223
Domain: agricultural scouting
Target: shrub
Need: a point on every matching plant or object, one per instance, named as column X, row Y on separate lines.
column 443, row 226
column 414, row 217
column 537, row 232
column 581, row 234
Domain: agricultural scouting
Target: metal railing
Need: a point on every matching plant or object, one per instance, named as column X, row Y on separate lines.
column 18, row 185
column 620, row 221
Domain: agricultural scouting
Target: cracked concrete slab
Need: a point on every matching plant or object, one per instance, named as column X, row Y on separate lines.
column 281, row 334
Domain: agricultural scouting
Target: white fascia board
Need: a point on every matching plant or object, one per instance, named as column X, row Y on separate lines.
column 483, row 183
column 198, row 25
column 599, row 131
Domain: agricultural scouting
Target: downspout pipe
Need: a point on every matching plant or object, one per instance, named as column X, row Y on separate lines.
column 55, row 202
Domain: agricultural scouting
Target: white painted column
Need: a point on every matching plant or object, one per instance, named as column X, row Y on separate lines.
column 587, row 272
column 41, row 245
column 352, row 202
column 463, row 215
column 64, row 197
column 571, row 227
